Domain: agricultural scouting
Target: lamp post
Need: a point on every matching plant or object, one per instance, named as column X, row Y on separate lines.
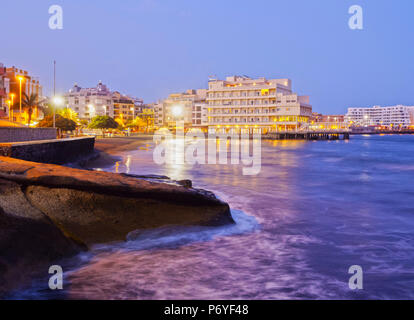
column 91, row 108
column 133, row 114
column 20, row 78
column 12, row 105
column 57, row 101
column 9, row 102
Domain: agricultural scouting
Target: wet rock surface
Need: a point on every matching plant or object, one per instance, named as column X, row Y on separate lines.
column 48, row 212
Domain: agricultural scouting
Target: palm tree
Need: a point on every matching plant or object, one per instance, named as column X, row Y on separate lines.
column 29, row 103
column 68, row 113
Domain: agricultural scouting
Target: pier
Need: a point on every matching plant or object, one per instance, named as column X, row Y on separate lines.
column 307, row 135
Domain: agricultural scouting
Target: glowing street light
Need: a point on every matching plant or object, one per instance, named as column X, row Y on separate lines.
column 177, row 111
column 133, row 114
column 12, row 95
column 9, row 103
column 57, row 101
column 91, row 108
column 20, row 78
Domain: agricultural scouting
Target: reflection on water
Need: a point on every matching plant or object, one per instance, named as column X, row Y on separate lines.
column 322, row 207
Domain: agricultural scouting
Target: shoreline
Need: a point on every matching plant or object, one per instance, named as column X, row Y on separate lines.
column 108, row 150
column 51, row 212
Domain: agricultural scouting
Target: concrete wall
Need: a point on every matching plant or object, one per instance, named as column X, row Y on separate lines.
column 50, row 151
column 9, row 134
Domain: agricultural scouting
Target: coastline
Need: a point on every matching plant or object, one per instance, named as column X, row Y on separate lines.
column 57, row 211
column 108, row 150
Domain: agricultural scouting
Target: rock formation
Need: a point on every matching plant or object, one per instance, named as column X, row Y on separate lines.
column 48, row 212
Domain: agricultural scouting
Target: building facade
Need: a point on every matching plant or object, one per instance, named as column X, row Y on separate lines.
column 3, row 92
column 392, row 116
column 29, row 85
column 322, row 122
column 125, row 108
column 266, row 105
column 189, row 107
column 147, row 114
column 90, row 102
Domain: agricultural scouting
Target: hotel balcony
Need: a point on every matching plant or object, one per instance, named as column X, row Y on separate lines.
column 251, row 122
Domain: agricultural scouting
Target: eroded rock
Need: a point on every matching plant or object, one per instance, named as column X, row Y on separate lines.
column 49, row 211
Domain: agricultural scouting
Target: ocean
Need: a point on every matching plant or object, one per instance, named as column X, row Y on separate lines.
column 315, row 209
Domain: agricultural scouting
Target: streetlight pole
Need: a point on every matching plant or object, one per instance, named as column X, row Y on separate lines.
column 133, row 114
column 20, row 78
column 54, row 92
column 8, row 102
column 12, row 104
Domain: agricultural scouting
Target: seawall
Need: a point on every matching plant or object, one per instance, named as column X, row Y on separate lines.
column 56, row 151
column 12, row 134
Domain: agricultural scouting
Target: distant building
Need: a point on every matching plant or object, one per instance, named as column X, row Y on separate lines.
column 189, row 106
column 322, row 122
column 3, row 92
column 125, row 107
column 399, row 115
column 29, row 84
column 90, row 102
column 147, row 114
column 266, row 105
column 100, row 101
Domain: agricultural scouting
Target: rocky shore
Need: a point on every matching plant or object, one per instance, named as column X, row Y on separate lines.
column 48, row 212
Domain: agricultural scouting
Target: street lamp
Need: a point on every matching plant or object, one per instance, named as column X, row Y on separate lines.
column 57, row 101
column 177, row 111
column 133, row 114
column 20, row 78
column 9, row 102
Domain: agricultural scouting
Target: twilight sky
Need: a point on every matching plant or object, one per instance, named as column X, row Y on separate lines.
column 150, row 48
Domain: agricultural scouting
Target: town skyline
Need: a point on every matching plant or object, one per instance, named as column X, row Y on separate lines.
column 132, row 47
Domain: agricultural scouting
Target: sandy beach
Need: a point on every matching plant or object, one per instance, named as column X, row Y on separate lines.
column 109, row 149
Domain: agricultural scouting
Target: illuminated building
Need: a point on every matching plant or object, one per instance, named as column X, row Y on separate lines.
column 266, row 105
column 29, row 85
column 125, row 107
column 392, row 116
column 189, row 107
column 3, row 91
column 90, row 102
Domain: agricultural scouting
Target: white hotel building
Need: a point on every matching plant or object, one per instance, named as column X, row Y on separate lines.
column 189, row 107
column 266, row 105
column 90, row 102
column 381, row 116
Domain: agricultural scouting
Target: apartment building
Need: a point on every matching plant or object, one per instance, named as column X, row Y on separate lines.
column 399, row 115
column 3, row 92
column 17, row 77
column 147, row 114
column 189, row 106
column 322, row 122
column 90, row 102
column 30, row 84
column 125, row 107
column 266, row 105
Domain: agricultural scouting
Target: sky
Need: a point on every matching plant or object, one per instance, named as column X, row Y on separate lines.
column 151, row 48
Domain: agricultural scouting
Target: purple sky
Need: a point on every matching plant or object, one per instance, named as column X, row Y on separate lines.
column 150, row 48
